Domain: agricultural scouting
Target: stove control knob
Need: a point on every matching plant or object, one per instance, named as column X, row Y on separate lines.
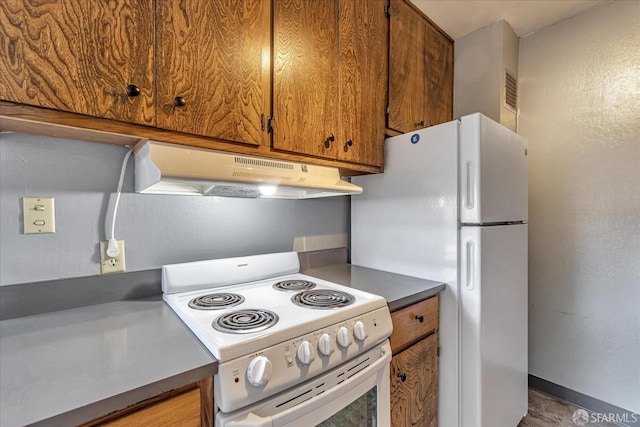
column 304, row 353
column 360, row 331
column 324, row 345
column 259, row 371
column 343, row 337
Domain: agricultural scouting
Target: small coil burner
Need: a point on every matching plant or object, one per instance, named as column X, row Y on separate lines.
column 323, row 299
column 245, row 321
column 294, row 285
column 216, row 301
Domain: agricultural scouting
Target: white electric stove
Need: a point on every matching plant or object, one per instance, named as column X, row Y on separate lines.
column 270, row 327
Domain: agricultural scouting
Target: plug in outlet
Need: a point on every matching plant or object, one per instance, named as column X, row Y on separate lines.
column 110, row 264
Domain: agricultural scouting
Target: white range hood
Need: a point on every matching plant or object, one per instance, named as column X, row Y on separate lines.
column 162, row 168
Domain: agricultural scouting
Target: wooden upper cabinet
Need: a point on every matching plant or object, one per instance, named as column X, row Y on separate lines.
column 213, row 69
column 79, row 56
column 439, row 74
column 406, row 67
column 330, row 78
column 302, row 80
column 420, row 70
column 305, row 77
column 364, row 30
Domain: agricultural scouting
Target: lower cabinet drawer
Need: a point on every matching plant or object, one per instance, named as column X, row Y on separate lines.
column 414, row 322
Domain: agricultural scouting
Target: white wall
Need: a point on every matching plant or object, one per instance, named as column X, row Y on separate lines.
column 157, row 229
column 480, row 62
column 478, row 59
column 580, row 111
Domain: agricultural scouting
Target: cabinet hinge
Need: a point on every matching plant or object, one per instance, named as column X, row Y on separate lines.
column 387, row 111
column 438, row 351
column 266, row 122
column 387, row 10
column 269, row 124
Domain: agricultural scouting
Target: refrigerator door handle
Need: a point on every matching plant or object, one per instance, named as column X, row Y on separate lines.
column 469, row 202
column 469, row 265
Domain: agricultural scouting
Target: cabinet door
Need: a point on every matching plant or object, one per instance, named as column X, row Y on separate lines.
column 407, row 86
column 363, row 58
column 191, row 405
column 439, row 75
column 305, row 80
column 182, row 410
column 213, row 68
column 79, row 56
column 420, row 71
column 414, row 385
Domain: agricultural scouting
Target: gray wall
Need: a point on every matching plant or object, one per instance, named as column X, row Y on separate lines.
column 580, row 111
column 157, row 229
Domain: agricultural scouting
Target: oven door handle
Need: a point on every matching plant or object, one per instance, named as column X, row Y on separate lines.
column 294, row 415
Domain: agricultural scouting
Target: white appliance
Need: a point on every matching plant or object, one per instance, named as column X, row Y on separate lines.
column 163, row 168
column 292, row 349
column 452, row 206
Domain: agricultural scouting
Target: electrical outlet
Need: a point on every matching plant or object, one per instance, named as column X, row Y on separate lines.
column 109, row 264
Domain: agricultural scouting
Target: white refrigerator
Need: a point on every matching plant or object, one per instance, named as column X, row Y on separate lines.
column 452, row 206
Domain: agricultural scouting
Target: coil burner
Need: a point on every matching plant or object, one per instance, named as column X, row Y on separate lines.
column 216, row 301
column 245, row 321
column 323, row 299
column 294, row 285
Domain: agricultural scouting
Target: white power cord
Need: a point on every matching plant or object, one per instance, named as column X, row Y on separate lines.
column 112, row 248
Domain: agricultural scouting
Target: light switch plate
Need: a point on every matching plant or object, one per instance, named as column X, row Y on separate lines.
column 39, row 215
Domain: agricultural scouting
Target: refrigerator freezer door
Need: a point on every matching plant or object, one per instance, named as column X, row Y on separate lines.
column 405, row 220
column 493, row 291
column 493, row 172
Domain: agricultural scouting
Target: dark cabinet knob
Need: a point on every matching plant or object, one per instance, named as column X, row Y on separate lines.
column 133, row 91
column 348, row 144
column 329, row 140
column 179, row 101
column 420, row 123
column 420, row 318
column 403, row 377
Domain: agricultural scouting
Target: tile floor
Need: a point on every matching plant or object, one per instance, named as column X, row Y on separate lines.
column 547, row 411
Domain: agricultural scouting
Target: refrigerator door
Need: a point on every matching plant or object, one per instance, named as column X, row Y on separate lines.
column 493, row 172
column 406, row 222
column 493, row 294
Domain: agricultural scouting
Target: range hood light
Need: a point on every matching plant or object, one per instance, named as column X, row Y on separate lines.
column 268, row 190
column 183, row 189
column 162, row 168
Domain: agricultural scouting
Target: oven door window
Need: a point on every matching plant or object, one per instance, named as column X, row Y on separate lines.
column 360, row 413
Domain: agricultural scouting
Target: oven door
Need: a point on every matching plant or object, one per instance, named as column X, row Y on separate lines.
column 353, row 394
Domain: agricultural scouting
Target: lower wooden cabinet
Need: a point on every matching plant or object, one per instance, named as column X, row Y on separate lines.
column 184, row 407
column 414, row 385
column 414, row 366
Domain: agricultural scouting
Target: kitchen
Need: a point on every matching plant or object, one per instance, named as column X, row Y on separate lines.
column 580, row 337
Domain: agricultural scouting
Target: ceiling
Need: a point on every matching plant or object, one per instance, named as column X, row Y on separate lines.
column 461, row 17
